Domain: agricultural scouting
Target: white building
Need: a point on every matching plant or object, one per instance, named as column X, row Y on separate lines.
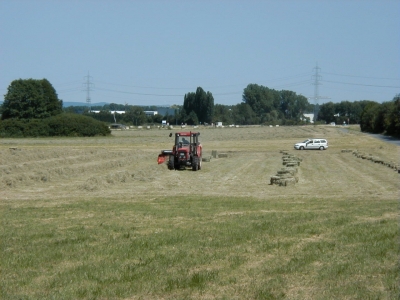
column 311, row 116
column 150, row 112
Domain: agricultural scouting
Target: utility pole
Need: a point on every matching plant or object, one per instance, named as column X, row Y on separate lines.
column 88, row 88
column 317, row 83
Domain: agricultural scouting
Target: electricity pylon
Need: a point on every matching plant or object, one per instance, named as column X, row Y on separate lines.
column 317, row 97
column 88, row 88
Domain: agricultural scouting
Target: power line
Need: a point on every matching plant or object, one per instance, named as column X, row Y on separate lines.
column 304, row 74
column 225, row 90
column 161, row 95
column 372, row 85
column 386, row 78
column 141, row 94
column 294, row 84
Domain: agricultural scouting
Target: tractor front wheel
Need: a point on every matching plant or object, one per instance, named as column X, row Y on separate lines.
column 171, row 163
column 195, row 164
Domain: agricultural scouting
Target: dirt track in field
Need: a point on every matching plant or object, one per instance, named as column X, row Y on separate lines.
column 125, row 166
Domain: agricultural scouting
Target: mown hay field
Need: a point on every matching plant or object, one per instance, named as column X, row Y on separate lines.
column 97, row 218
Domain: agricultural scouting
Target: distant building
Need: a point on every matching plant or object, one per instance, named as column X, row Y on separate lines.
column 120, row 112
column 151, row 112
column 166, row 111
column 310, row 116
column 161, row 110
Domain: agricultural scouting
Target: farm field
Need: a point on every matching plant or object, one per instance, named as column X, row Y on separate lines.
column 97, row 218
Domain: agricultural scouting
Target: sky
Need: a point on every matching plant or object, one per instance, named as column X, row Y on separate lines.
column 154, row 52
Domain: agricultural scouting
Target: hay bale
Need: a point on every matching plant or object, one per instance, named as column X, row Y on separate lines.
column 290, row 171
column 291, row 161
column 288, row 181
column 283, row 171
column 285, row 176
column 293, row 164
column 377, row 160
column 214, row 153
column 206, row 159
column 274, row 179
column 221, row 155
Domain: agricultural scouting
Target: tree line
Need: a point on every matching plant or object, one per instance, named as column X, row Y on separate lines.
column 372, row 116
column 260, row 105
column 31, row 99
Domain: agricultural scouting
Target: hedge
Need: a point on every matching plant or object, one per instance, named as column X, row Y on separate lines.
column 61, row 125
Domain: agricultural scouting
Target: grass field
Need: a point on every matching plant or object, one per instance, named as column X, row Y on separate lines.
column 97, row 218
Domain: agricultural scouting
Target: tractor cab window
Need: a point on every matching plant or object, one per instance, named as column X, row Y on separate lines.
column 183, row 140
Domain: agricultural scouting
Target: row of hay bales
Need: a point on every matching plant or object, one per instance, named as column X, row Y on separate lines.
column 214, row 154
column 375, row 159
column 288, row 174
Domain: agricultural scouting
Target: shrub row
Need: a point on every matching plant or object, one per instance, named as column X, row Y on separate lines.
column 61, row 125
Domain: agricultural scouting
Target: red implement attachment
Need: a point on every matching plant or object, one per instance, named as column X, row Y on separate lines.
column 161, row 159
column 163, row 156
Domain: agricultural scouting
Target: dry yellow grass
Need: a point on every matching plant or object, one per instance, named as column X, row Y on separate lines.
column 125, row 165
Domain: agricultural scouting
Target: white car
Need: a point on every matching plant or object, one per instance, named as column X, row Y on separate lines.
column 320, row 144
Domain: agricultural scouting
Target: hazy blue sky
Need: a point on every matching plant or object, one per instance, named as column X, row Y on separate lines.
column 153, row 52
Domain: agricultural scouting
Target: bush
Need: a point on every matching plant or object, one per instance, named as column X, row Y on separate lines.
column 60, row 125
column 12, row 128
column 76, row 125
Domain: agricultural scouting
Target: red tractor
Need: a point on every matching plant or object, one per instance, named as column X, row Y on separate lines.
column 186, row 153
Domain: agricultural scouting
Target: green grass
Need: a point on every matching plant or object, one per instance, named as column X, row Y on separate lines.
column 192, row 247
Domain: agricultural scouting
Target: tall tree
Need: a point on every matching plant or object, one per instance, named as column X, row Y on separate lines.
column 244, row 114
column 292, row 105
column 369, row 117
column 327, row 112
column 198, row 107
column 260, row 98
column 392, row 121
column 30, row 99
column 267, row 103
column 135, row 115
column 223, row 113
